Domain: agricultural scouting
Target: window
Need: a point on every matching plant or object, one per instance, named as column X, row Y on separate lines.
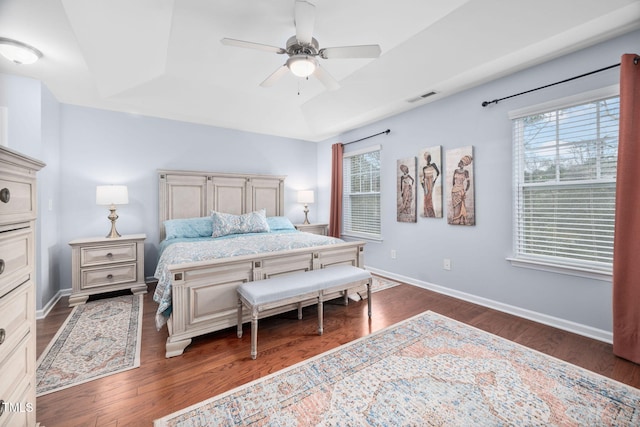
column 361, row 193
column 565, row 176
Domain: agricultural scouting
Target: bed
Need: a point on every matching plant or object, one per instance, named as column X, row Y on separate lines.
column 198, row 274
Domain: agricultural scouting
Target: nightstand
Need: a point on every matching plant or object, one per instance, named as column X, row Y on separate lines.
column 102, row 264
column 322, row 229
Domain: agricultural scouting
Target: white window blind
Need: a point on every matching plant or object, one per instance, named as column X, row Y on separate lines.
column 361, row 193
column 565, row 175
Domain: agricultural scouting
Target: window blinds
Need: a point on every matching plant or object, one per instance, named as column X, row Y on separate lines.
column 361, row 193
column 564, row 175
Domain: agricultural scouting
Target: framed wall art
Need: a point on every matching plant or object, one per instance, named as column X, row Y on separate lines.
column 429, row 174
column 460, row 181
column 406, row 184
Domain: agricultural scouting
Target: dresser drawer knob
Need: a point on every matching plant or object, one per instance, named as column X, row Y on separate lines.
column 3, row 335
column 109, row 255
column 110, row 276
column 1, row 266
column 5, row 195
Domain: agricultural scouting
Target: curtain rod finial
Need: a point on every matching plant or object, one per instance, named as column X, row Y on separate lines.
column 387, row 131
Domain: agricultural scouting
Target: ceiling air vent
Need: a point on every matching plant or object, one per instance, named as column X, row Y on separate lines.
column 421, row 97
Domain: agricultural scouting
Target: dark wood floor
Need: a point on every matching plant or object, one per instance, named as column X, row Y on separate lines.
column 220, row 361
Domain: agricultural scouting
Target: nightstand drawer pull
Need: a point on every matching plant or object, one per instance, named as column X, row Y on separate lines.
column 109, row 276
column 3, row 335
column 1, row 266
column 5, row 195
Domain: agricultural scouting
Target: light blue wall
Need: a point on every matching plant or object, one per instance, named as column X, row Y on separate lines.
column 103, row 147
column 478, row 253
column 33, row 130
column 85, row 147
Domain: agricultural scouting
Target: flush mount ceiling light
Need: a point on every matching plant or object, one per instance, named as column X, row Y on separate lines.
column 302, row 65
column 18, row 52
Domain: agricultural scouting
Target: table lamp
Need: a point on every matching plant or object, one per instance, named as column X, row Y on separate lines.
column 112, row 195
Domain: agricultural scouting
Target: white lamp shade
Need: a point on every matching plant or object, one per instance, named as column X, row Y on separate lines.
column 112, row 195
column 305, row 196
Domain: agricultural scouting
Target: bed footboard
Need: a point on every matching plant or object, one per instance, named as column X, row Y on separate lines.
column 204, row 296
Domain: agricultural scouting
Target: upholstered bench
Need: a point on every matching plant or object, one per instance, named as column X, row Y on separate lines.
column 297, row 287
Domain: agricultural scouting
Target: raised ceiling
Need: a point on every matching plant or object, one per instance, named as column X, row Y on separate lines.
column 163, row 58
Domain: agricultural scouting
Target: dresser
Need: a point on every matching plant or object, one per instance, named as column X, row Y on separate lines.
column 17, row 288
column 104, row 264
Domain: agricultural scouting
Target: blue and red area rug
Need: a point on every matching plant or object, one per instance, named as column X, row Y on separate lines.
column 427, row 370
column 99, row 338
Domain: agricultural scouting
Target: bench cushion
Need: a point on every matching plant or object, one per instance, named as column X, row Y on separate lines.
column 291, row 285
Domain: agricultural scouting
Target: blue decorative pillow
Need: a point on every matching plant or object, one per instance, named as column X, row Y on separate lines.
column 188, row 227
column 277, row 223
column 252, row 222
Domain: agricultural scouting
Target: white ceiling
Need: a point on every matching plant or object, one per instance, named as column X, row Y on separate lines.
column 163, row 58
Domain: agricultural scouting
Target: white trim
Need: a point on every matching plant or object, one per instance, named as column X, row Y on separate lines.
column 556, row 104
column 362, row 151
column 589, row 273
column 556, row 322
column 363, row 236
column 42, row 313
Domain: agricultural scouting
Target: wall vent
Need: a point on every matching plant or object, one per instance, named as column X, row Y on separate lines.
column 421, row 97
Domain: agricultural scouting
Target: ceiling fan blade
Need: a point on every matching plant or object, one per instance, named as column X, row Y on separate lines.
column 327, row 79
column 275, row 76
column 362, row 51
column 305, row 16
column 251, row 45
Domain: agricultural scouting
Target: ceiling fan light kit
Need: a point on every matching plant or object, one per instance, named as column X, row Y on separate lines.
column 302, row 65
column 18, row 52
column 303, row 50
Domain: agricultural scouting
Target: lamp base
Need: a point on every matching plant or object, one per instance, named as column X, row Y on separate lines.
column 306, row 215
column 113, row 217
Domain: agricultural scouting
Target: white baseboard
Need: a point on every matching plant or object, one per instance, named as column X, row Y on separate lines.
column 556, row 322
column 41, row 314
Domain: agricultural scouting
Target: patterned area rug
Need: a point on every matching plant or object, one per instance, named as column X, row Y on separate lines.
column 378, row 284
column 428, row 370
column 99, row 338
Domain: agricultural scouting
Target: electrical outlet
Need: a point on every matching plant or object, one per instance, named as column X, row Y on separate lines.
column 393, row 254
column 446, row 264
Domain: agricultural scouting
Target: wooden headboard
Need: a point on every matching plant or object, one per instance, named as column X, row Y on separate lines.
column 189, row 194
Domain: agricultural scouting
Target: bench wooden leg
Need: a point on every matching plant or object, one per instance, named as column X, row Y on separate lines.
column 299, row 311
column 320, row 313
column 239, row 318
column 254, row 334
column 369, row 296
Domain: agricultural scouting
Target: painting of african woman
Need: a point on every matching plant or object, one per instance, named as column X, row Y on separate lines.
column 460, row 179
column 406, row 202
column 429, row 170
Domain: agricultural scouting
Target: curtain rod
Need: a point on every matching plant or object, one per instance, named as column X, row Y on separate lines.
column 367, row 137
column 495, row 101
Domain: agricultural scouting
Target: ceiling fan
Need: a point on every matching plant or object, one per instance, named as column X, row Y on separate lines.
column 303, row 50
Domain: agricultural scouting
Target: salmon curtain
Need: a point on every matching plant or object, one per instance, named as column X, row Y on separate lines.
column 626, row 244
column 335, row 215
